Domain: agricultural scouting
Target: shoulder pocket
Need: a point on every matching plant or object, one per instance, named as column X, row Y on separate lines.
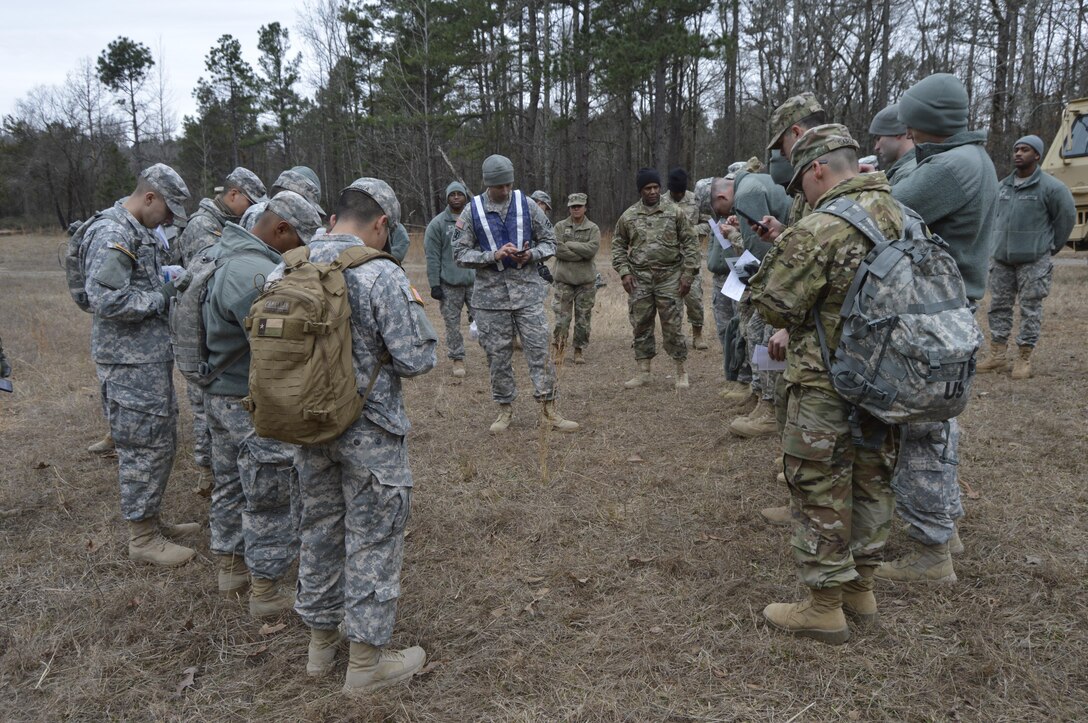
column 116, row 269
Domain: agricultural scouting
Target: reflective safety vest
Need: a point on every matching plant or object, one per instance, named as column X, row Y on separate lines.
column 496, row 233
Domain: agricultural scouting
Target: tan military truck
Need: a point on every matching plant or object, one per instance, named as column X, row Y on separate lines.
column 1067, row 160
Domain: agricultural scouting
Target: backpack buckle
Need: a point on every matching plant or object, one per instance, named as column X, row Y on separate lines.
column 316, row 327
column 315, row 415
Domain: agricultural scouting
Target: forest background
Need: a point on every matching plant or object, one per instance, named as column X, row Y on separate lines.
column 579, row 94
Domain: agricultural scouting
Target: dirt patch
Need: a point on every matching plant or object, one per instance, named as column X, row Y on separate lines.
column 548, row 576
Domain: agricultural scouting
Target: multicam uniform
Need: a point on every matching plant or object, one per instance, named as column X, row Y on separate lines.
column 575, row 279
column 356, row 491
column 506, row 299
column 130, row 344
column 656, row 245
column 443, row 272
column 841, row 493
column 693, row 302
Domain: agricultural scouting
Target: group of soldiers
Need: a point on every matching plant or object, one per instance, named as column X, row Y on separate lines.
column 342, row 507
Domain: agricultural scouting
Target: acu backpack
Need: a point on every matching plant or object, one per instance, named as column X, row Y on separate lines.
column 75, row 257
column 302, row 387
column 909, row 337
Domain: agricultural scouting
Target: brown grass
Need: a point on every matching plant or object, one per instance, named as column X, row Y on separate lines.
column 601, row 589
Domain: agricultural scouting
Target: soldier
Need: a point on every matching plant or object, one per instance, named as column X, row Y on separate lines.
column 241, row 190
column 893, row 146
column 130, row 344
column 356, row 490
column 722, row 246
column 543, row 200
column 577, row 241
column 954, row 189
column 1033, row 222
column 693, row 302
column 300, row 179
column 503, row 235
column 841, row 491
column 656, row 253
column 451, row 285
column 252, row 530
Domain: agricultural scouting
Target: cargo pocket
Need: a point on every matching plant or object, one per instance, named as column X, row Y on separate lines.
column 269, row 473
column 378, row 539
column 138, row 417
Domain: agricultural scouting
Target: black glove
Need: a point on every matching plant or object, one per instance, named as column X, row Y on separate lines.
column 5, row 368
column 544, row 273
column 437, row 293
column 746, row 271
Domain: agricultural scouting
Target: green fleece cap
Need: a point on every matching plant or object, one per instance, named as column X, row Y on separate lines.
column 498, row 171
column 887, row 123
column 936, row 104
column 457, row 186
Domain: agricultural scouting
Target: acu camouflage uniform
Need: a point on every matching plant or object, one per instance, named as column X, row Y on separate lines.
column 130, row 345
column 575, row 279
column 656, row 245
column 841, row 492
column 509, row 302
column 356, row 491
column 693, row 302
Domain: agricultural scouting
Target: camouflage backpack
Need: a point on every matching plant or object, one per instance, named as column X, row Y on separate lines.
column 302, row 386
column 909, row 338
column 75, row 257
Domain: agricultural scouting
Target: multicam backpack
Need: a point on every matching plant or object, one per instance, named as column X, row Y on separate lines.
column 909, row 337
column 302, row 385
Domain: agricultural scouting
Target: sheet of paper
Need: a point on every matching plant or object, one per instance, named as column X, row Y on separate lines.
column 733, row 287
column 762, row 360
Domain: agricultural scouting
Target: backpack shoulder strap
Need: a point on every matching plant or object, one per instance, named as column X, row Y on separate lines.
column 852, row 212
column 357, row 255
column 296, row 256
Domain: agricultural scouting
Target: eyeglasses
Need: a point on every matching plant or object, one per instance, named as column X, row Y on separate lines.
column 814, row 163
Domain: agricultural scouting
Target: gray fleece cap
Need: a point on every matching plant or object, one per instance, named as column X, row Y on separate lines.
column 1034, row 141
column 887, row 123
column 457, row 186
column 936, row 104
column 498, row 171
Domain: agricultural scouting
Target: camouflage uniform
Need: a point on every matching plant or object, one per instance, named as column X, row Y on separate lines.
column 657, row 246
column 575, row 279
column 693, row 302
column 1031, row 282
column 510, row 301
column 842, row 496
column 130, row 344
column 356, row 490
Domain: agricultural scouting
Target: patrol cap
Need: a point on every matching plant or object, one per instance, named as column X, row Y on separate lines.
column 380, row 191
column 247, row 182
column 793, row 110
column 309, row 174
column 542, row 197
column 297, row 211
column 577, row 199
column 814, row 143
column 887, row 123
column 168, row 184
column 301, row 183
column 736, row 166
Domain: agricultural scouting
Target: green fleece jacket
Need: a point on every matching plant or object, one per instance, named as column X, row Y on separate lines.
column 231, row 291
column 954, row 190
column 438, row 245
column 1033, row 219
column 758, row 195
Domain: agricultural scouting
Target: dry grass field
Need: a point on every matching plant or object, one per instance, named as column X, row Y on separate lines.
column 550, row 577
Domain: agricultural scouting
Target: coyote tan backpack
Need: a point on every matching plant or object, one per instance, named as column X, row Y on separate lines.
column 302, row 386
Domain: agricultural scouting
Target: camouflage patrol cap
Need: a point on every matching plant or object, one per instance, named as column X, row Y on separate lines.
column 247, row 182
column 794, row 109
column 310, row 175
column 735, row 166
column 304, row 184
column 380, row 191
column 168, row 184
column 542, row 197
column 297, row 211
column 815, row 143
column 577, row 199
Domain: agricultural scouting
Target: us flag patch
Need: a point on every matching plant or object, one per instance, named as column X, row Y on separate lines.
column 460, row 223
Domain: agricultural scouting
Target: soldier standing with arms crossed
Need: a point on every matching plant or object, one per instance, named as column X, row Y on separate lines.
column 577, row 241
column 693, row 302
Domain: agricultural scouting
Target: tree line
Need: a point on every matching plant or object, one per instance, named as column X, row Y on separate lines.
column 578, row 93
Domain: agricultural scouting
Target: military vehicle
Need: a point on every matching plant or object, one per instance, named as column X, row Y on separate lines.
column 1067, row 160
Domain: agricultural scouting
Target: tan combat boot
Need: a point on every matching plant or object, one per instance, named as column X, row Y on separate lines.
column 146, row 544
column 181, row 529
column 927, row 563
column 681, row 376
column 371, row 669
column 820, row 617
column 579, row 357
column 732, row 390
column 321, row 655
column 549, row 415
column 102, row 446
column 643, row 376
column 1021, row 368
column 557, row 353
column 506, row 413
column 858, row 600
column 697, row 338
column 955, row 545
column 205, row 483
column 233, row 576
column 268, row 599
column 760, row 423
column 740, row 396
column 998, row 361
column 780, row 466
column 458, row 368
column 777, row 515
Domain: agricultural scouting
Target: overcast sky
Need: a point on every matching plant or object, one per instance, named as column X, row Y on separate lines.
column 41, row 41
